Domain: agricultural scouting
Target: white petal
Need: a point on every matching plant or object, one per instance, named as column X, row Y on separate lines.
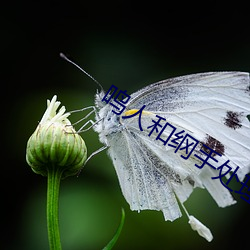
column 51, row 114
column 200, row 228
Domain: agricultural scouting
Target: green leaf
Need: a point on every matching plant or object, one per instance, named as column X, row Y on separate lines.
column 248, row 117
column 117, row 234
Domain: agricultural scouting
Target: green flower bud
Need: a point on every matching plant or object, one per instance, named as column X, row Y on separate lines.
column 55, row 144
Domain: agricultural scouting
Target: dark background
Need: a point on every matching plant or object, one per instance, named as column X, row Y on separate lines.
column 129, row 44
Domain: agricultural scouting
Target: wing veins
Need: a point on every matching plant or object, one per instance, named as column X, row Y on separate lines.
column 130, row 153
column 144, row 184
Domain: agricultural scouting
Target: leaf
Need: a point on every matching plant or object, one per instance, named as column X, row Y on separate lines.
column 117, row 234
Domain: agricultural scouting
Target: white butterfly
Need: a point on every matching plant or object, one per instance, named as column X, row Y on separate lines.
column 212, row 107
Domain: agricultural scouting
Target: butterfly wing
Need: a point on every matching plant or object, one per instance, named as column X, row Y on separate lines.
column 143, row 186
column 214, row 106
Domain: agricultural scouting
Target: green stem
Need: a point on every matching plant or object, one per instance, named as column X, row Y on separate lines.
column 54, row 177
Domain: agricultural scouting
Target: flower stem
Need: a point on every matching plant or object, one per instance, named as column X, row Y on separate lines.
column 54, row 177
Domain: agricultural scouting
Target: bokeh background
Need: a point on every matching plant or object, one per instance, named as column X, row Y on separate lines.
column 129, row 44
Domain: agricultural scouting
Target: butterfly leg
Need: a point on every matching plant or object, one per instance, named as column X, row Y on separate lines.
column 86, row 116
column 92, row 154
column 81, row 129
column 96, row 152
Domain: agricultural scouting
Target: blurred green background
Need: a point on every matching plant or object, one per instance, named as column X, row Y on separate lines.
column 127, row 45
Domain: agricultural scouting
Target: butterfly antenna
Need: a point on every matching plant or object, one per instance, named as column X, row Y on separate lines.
column 68, row 60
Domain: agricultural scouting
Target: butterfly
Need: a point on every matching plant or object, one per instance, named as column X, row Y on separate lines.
column 213, row 108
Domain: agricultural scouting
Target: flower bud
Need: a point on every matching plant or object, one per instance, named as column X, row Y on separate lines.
column 55, row 144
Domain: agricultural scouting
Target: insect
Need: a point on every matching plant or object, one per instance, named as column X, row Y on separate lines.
column 211, row 107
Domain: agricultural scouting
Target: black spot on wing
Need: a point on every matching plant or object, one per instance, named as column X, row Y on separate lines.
column 248, row 89
column 233, row 119
column 248, row 117
column 214, row 144
column 191, row 181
